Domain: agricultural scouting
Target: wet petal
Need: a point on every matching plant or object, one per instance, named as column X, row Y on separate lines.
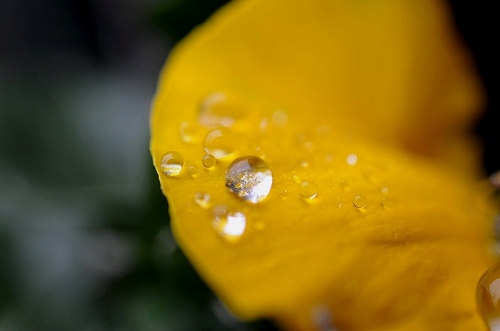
column 360, row 110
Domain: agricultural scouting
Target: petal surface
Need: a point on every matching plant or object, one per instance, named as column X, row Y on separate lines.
column 361, row 111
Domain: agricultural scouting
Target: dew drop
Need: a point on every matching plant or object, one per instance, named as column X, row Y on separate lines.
column 352, row 159
column 344, row 185
column 284, row 195
column 202, row 199
column 172, row 163
column 296, row 179
column 217, row 109
column 219, row 142
column 488, row 297
column 322, row 318
column 208, row 161
column 193, row 170
column 190, row 133
column 280, row 118
column 387, row 202
column 308, row 189
column 230, row 225
column 250, row 178
column 359, row 201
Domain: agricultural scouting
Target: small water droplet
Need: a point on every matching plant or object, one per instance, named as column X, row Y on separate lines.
column 386, row 202
column 230, row 225
column 322, row 318
column 296, row 179
column 250, row 178
column 352, row 159
column 172, row 163
column 193, row 171
column 202, row 199
column 219, row 142
column 218, row 109
column 308, row 189
column 384, row 190
column 305, row 142
column 495, row 179
column 280, row 118
column 359, row 201
column 488, row 297
column 190, row 133
column 304, row 163
column 344, row 185
column 284, row 195
column 208, row 161
column 264, row 124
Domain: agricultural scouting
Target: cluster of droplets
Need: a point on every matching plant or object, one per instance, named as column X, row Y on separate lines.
column 249, row 178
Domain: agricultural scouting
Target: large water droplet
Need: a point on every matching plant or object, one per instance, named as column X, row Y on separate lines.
column 172, row 163
column 217, row 109
column 219, row 142
column 308, row 189
column 488, row 297
column 230, row 225
column 250, row 178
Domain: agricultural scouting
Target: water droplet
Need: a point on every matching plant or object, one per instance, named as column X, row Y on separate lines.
column 386, row 202
column 264, row 124
column 284, row 195
column 308, row 189
column 359, row 201
column 352, row 159
column 306, row 142
column 219, row 142
column 208, row 161
column 172, row 163
column 230, row 225
column 488, row 297
column 280, row 118
column 217, row 109
column 495, row 179
column 190, row 133
column 250, row 178
column 202, row 199
column 193, row 171
column 384, row 190
column 344, row 185
column 322, row 318
column 296, row 179
column 304, row 163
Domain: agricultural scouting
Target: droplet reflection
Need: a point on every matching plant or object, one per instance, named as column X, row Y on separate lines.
column 250, row 178
column 230, row 225
column 488, row 297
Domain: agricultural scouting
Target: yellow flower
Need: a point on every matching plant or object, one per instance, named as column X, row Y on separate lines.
column 319, row 166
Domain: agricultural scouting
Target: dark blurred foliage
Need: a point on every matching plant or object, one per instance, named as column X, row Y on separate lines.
column 85, row 242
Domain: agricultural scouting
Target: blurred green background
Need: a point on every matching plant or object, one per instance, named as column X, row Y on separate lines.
column 85, row 242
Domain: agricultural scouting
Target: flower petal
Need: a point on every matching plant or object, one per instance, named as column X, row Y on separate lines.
column 361, row 111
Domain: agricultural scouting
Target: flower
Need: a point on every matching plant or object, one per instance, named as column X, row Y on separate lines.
column 319, row 163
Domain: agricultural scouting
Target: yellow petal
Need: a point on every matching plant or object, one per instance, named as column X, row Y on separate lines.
column 363, row 106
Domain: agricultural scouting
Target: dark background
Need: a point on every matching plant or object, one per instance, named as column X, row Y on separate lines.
column 85, row 242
